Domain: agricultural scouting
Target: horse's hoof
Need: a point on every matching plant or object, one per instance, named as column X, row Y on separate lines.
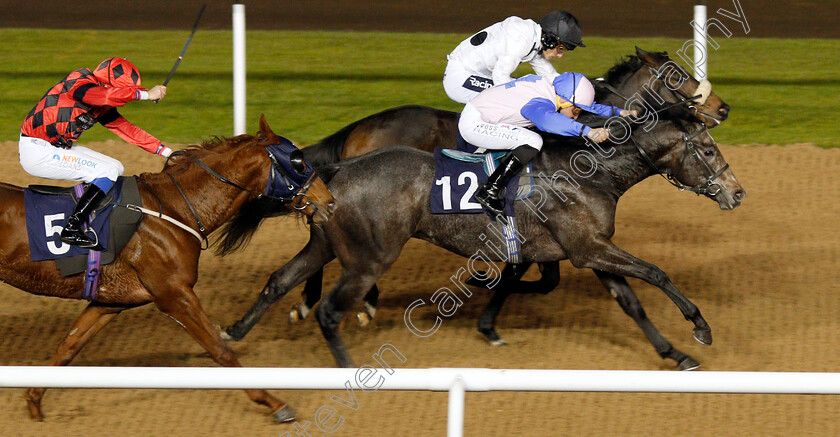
column 227, row 335
column 704, row 335
column 283, row 415
column 363, row 318
column 688, row 363
column 34, row 407
column 366, row 316
column 492, row 336
column 298, row 312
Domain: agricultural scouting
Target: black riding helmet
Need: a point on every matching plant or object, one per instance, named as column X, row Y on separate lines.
column 560, row 27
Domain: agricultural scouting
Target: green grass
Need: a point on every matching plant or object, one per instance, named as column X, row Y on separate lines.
column 310, row 84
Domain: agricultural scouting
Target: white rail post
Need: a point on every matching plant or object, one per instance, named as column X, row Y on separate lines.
column 238, row 69
column 701, row 59
column 455, row 422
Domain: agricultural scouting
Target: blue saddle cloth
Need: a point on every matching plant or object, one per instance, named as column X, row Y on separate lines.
column 459, row 174
column 47, row 210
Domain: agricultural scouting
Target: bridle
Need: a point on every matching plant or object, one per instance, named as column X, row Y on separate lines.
column 691, row 102
column 707, row 188
column 297, row 200
column 681, row 98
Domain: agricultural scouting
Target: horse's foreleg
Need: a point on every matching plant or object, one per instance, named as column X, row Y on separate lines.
column 90, row 321
column 511, row 272
column 549, row 280
column 511, row 283
column 624, row 295
column 306, row 263
column 183, row 307
column 610, row 258
column 487, row 322
column 347, row 292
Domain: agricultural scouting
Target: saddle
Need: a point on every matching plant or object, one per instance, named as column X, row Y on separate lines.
column 47, row 208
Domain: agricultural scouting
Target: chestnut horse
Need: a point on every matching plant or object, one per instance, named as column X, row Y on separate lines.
column 205, row 184
column 650, row 80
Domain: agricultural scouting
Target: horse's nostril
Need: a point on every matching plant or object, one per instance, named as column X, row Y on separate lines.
column 331, row 206
column 724, row 110
column 740, row 194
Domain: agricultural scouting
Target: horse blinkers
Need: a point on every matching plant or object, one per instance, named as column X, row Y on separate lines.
column 290, row 176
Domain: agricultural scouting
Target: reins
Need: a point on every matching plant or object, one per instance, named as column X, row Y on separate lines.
column 681, row 98
column 200, row 234
column 691, row 149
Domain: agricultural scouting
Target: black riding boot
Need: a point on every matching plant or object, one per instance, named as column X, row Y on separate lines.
column 73, row 232
column 492, row 194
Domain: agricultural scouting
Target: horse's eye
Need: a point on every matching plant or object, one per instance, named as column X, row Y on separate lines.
column 709, row 152
column 296, row 159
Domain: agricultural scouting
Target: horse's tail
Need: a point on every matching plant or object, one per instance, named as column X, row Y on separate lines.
column 237, row 232
column 328, row 150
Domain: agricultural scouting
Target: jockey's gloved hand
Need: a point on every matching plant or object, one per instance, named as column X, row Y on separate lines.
column 598, row 134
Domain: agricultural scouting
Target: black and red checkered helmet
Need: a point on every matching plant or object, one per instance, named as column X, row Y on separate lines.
column 117, row 72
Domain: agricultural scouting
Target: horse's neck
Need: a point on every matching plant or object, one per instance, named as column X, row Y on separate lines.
column 213, row 201
column 619, row 167
column 625, row 168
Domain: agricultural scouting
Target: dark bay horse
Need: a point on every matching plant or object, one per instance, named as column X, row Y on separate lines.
column 385, row 202
column 160, row 263
column 651, row 80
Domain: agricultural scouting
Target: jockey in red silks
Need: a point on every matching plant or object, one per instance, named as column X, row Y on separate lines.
column 501, row 118
column 75, row 104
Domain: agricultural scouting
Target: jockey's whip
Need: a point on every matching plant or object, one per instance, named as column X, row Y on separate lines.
column 181, row 56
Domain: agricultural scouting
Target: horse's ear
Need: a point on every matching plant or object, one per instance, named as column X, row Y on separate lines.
column 265, row 130
column 648, row 58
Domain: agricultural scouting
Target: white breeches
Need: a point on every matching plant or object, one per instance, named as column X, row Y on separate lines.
column 493, row 136
column 42, row 159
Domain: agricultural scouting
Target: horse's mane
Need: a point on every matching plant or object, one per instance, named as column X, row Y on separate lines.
column 628, row 65
column 212, row 145
column 237, row 232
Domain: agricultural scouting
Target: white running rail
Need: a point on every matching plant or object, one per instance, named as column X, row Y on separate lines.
column 456, row 381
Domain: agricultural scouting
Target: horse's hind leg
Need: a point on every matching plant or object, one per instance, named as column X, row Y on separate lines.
column 90, row 321
column 183, row 307
column 309, row 261
column 624, row 295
